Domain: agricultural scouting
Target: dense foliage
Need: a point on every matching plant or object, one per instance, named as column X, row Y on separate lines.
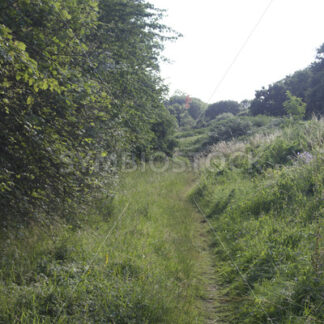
column 185, row 110
column 80, row 97
column 224, row 127
column 79, row 85
column 221, row 107
column 294, row 106
column 263, row 198
column 316, row 90
column 307, row 84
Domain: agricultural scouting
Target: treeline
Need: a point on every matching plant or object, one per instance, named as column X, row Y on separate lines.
column 79, row 85
column 307, row 85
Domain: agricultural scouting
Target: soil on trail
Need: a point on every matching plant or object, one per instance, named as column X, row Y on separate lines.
column 210, row 299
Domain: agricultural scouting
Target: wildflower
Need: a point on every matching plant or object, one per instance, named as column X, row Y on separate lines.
column 305, row 157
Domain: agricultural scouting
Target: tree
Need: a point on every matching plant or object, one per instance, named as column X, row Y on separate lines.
column 196, row 108
column 307, row 84
column 245, row 105
column 315, row 97
column 221, row 107
column 48, row 94
column 269, row 101
column 177, row 111
column 294, row 106
column 299, row 82
column 79, row 81
column 163, row 128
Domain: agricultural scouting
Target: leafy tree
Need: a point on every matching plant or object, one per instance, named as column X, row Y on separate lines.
column 176, row 105
column 315, row 97
column 307, row 84
column 45, row 88
column 196, row 108
column 221, row 107
column 294, row 106
column 79, row 82
column 177, row 111
column 299, row 83
column 245, row 105
column 187, row 122
column 163, row 128
column 269, row 101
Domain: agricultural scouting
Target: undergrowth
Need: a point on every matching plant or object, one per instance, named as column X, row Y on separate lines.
column 265, row 203
column 132, row 261
column 224, row 128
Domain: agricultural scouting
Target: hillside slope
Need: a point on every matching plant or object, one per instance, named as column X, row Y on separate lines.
column 264, row 200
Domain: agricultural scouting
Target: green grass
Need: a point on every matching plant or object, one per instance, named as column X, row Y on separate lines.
column 267, row 214
column 225, row 127
column 136, row 260
column 193, row 144
column 143, row 256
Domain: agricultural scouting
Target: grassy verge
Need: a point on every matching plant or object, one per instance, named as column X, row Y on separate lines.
column 225, row 127
column 133, row 261
column 264, row 200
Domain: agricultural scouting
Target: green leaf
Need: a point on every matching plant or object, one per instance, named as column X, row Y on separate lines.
column 44, row 85
column 30, row 100
column 6, row 84
column 20, row 45
column 65, row 14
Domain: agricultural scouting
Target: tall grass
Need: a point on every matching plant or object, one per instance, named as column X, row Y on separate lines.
column 267, row 214
column 135, row 260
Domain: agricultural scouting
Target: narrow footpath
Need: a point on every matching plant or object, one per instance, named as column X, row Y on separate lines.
column 210, row 299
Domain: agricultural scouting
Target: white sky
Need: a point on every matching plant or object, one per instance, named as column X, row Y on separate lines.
column 215, row 31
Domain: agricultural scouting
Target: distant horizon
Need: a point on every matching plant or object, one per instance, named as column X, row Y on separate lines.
column 174, row 93
column 228, row 54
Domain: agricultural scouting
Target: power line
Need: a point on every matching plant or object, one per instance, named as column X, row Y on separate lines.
column 227, row 71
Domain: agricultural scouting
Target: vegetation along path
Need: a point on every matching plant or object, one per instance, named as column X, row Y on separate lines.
column 177, row 237
column 143, row 258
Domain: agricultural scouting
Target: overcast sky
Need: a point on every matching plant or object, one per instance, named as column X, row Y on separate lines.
column 266, row 40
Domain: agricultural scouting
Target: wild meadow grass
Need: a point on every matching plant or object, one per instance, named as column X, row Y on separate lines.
column 225, row 128
column 133, row 260
column 267, row 217
column 142, row 256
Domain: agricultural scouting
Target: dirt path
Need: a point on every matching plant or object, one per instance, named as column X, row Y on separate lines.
column 210, row 299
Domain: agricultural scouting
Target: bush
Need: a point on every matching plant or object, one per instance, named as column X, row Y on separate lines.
column 227, row 129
